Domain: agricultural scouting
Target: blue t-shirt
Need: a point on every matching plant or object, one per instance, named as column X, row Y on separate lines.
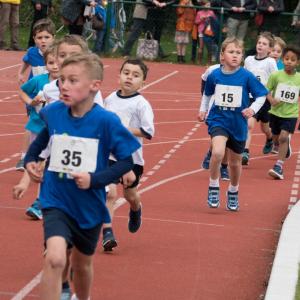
column 87, row 207
column 32, row 87
column 231, row 119
column 280, row 64
column 34, row 57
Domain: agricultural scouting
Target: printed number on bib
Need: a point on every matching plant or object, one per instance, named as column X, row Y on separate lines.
column 287, row 93
column 228, row 95
column 73, row 154
column 261, row 76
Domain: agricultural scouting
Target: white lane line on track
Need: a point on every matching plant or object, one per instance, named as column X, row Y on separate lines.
column 28, row 287
column 10, row 67
column 10, row 134
column 158, row 80
column 10, row 115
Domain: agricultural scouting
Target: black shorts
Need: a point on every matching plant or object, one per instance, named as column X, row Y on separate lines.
column 277, row 124
column 236, row 146
column 137, row 170
column 263, row 114
column 58, row 223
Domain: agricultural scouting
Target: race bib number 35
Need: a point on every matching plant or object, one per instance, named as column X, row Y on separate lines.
column 287, row 93
column 73, row 154
column 228, row 95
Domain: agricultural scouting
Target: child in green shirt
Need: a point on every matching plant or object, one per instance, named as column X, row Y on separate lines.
column 284, row 86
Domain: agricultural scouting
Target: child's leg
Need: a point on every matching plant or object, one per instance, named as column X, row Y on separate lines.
column 133, row 198
column 235, row 167
column 283, row 140
column 54, row 265
column 265, row 128
column 218, row 152
column 224, row 167
column 246, row 155
column 26, row 143
column 82, row 266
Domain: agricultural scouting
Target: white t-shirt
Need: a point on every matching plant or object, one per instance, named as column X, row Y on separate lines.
column 261, row 68
column 135, row 112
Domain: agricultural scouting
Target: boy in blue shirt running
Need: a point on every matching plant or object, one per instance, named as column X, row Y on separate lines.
column 229, row 87
column 72, row 196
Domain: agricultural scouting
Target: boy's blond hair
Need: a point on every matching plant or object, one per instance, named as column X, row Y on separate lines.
column 51, row 50
column 73, row 39
column 279, row 41
column 43, row 25
column 91, row 62
column 232, row 40
column 268, row 36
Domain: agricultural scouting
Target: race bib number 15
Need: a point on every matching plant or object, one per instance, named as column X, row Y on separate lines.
column 73, row 154
column 228, row 95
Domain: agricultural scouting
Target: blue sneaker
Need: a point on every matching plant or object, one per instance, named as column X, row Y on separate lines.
column 34, row 211
column 213, row 199
column 232, row 201
column 135, row 220
column 65, row 294
column 224, row 173
column 245, row 158
column 206, row 160
column 109, row 242
column 268, row 147
column 276, row 172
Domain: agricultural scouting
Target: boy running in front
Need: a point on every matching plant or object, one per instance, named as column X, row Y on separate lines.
column 284, row 87
column 72, row 193
column 229, row 86
column 136, row 115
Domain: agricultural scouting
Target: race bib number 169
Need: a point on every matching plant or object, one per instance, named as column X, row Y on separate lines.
column 73, row 154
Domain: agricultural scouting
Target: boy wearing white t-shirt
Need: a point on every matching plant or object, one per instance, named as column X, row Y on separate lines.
column 261, row 65
column 136, row 114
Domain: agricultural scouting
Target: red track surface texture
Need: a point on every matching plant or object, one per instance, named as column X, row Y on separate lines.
column 184, row 250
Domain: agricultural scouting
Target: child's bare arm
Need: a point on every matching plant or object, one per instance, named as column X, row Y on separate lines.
column 272, row 100
column 21, row 74
column 25, row 98
column 20, row 188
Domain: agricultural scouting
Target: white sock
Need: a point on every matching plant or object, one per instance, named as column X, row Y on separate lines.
column 74, row 297
column 233, row 188
column 214, row 182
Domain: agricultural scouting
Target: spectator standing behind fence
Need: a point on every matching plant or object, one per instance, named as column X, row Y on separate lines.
column 40, row 11
column 184, row 25
column 203, row 20
column 139, row 21
column 238, row 19
column 296, row 23
column 271, row 9
column 72, row 14
column 9, row 12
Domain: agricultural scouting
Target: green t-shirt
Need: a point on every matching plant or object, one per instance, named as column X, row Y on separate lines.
column 286, row 88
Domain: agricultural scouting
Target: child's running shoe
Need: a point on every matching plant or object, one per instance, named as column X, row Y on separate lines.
column 232, row 201
column 65, row 294
column 268, row 147
column 20, row 165
column 245, row 158
column 224, row 173
column 206, row 160
column 275, row 149
column 135, row 220
column 34, row 211
column 276, row 172
column 213, row 199
column 109, row 242
column 289, row 151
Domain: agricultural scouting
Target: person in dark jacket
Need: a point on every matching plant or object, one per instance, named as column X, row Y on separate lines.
column 271, row 10
column 238, row 19
column 40, row 11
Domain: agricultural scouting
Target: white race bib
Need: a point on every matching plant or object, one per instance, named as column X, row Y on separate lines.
column 228, row 95
column 287, row 93
column 73, row 154
column 39, row 70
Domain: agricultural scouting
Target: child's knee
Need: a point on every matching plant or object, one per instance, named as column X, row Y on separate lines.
column 218, row 155
column 283, row 139
column 56, row 261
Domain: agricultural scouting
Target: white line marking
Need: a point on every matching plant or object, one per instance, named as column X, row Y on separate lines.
column 4, row 160
column 10, row 67
column 9, row 115
column 28, row 288
column 293, row 199
column 11, row 134
column 158, row 80
column 7, row 170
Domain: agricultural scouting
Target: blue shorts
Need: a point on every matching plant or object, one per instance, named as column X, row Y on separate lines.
column 277, row 124
column 58, row 223
column 234, row 145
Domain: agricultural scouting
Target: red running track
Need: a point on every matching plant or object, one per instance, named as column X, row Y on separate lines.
column 184, row 250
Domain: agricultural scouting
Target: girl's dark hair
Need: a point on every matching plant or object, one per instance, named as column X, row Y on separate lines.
column 138, row 62
column 291, row 48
